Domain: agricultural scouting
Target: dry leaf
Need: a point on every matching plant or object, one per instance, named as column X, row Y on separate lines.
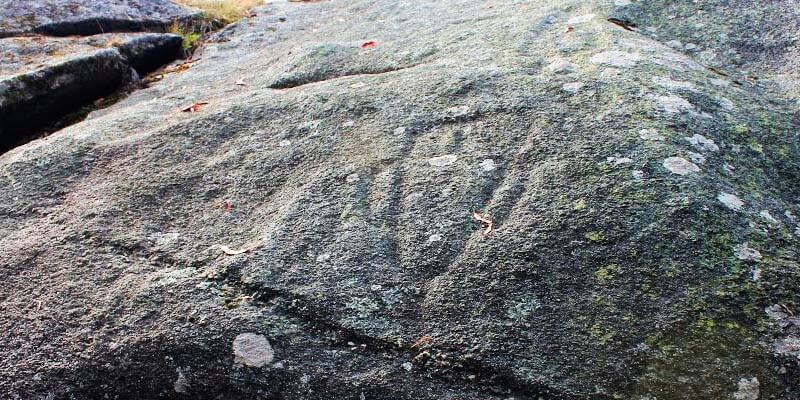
column 624, row 24
column 226, row 205
column 369, row 44
column 227, row 250
column 422, row 341
column 569, row 29
column 245, row 249
column 194, row 107
column 484, row 219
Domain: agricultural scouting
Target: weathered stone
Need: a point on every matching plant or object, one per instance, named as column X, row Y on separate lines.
column 82, row 17
column 612, row 269
column 43, row 79
column 753, row 41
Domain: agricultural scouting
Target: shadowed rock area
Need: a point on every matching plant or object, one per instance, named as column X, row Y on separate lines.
column 44, row 79
column 311, row 232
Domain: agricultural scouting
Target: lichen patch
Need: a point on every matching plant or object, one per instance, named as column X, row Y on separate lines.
column 746, row 253
column 616, row 58
column 442, row 161
column 252, row 350
column 730, row 200
column 702, row 142
column 680, row 166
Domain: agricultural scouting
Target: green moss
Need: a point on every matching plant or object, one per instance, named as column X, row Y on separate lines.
column 594, row 236
column 739, row 129
column 705, row 323
column 755, row 146
column 579, row 205
column 600, row 334
column 605, row 274
column 704, row 360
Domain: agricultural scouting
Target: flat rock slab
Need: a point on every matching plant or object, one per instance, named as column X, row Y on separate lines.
column 79, row 17
column 21, row 55
column 44, row 78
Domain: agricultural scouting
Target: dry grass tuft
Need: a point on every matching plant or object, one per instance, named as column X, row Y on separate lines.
column 226, row 11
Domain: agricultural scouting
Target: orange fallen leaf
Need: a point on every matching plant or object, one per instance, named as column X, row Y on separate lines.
column 194, row 107
column 369, row 44
column 484, row 219
column 180, row 67
column 226, row 205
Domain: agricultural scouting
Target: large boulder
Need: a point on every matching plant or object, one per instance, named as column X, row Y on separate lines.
column 319, row 228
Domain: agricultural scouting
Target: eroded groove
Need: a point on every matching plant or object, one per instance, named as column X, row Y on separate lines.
column 486, row 379
column 45, row 100
column 292, row 82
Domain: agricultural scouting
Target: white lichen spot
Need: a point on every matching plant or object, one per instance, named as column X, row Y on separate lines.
column 702, row 142
column 323, row 257
column 457, row 111
column 488, row 165
column 285, row 143
column 638, row 174
column 580, row 19
column 673, row 104
column 181, row 384
column 561, row 66
column 672, row 84
column 349, row 123
column 572, row 87
column 622, row 3
column 776, row 312
column 252, row 350
column 680, row 166
column 746, row 253
column 434, row 238
column 651, row 134
column 697, row 158
column 755, row 274
column 730, row 200
column 400, row 130
column 407, row 366
column 690, row 47
column 352, row 178
column 728, row 168
column 765, row 214
column 726, row 104
column 719, row 82
column 618, row 160
column 676, row 44
column 747, row 389
column 616, row 58
column 442, row 161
